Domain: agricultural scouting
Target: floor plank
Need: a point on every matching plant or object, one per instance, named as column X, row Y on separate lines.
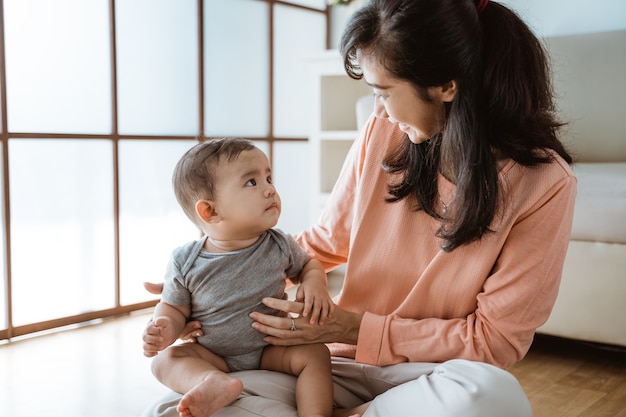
column 95, row 371
column 565, row 378
column 99, row 371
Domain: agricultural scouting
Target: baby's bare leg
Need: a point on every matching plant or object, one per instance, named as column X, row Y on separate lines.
column 311, row 364
column 200, row 375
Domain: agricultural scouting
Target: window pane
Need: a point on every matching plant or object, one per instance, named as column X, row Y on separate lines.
column 297, row 35
column 58, row 66
column 157, row 63
column 3, row 280
column 317, row 4
column 152, row 223
column 291, row 175
column 1, row 112
column 61, row 228
column 236, row 68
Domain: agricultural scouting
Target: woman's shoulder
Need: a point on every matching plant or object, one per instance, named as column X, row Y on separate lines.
column 528, row 186
column 555, row 170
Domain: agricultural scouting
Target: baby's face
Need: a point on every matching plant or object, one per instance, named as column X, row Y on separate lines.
column 245, row 196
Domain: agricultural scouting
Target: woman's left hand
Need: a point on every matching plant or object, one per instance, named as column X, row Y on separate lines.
column 342, row 327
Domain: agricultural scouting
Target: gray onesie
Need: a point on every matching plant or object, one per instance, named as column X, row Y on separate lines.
column 224, row 288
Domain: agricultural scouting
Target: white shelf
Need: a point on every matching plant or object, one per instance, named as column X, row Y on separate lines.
column 334, row 122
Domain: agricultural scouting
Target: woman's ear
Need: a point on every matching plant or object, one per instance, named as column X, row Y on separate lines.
column 448, row 91
column 206, row 211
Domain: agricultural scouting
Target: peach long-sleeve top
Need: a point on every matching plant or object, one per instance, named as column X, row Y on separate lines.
column 482, row 301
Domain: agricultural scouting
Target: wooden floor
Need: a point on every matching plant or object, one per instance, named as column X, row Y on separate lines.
column 95, row 371
column 99, row 371
column 564, row 378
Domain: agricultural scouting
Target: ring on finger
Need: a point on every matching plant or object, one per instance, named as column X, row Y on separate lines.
column 293, row 325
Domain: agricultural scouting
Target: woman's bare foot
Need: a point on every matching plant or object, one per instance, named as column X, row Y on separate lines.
column 216, row 391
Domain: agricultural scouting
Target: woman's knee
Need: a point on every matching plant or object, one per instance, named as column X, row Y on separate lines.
column 486, row 390
column 456, row 388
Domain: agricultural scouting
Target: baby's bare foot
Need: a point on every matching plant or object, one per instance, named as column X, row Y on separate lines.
column 216, row 391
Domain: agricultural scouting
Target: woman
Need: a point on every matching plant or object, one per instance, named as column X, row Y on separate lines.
column 452, row 212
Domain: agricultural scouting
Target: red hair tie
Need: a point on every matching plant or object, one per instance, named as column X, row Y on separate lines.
column 481, row 5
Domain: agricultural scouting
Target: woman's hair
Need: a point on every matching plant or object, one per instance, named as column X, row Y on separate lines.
column 503, row 105
column 195, row 173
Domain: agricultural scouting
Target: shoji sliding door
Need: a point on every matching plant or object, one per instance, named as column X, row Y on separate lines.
column 98, row 101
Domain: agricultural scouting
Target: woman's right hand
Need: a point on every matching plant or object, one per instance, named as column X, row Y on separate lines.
column 342, row 327
column 192, row 330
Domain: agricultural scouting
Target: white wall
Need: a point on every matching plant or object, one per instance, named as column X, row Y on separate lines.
column 546, row 17
column 567, row 17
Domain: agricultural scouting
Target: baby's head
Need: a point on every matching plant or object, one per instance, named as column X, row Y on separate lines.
column 228, row 182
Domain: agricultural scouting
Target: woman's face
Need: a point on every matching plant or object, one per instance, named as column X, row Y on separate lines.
column 399, row 101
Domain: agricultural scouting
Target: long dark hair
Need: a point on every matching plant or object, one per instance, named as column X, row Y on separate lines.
column 503, row 106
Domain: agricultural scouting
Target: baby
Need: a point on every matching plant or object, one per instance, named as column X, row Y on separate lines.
column 225, row 187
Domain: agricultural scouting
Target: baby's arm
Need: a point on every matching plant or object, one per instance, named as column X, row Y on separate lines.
column 166, row 325
column 313, row 292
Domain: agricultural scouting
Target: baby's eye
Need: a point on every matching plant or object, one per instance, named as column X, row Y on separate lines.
column 269, row 180
column 251, row 182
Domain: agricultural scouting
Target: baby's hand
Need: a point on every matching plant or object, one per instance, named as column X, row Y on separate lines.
column 317, row 302
column 158, row 334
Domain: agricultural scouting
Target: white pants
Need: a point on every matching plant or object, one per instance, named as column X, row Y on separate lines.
column 453, row 388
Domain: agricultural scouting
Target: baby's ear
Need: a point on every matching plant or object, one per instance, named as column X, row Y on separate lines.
column 206, row 211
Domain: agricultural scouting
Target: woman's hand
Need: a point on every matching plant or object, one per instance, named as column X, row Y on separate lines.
column 342, row 327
